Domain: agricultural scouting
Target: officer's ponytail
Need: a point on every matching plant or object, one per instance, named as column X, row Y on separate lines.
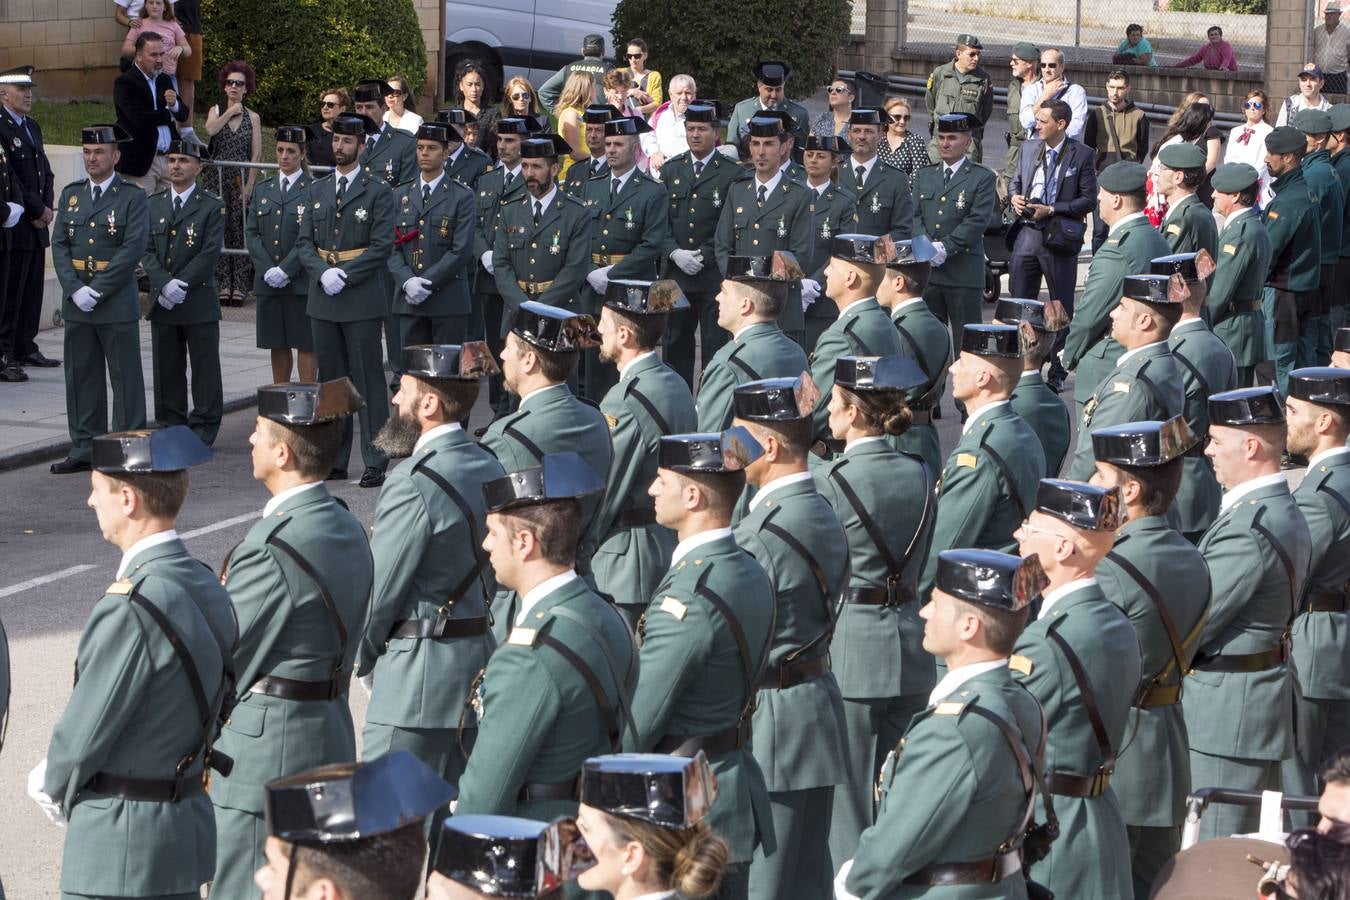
column 690, row 860
column 884, row 412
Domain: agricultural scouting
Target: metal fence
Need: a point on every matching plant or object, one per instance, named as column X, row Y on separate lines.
column 1085, row 31
column 242, row 168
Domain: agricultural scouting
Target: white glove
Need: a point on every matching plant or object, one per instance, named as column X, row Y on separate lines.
column 50, row 808
column 15, row 214
column 486, row 260
column 333, row 281
column 86, row 298
column 164, row 301
column 690, row 262
column 368, row 683
column 417, row 289
column 941, row 256
column 810, row 292
column 276, row 278
column 599, row 279
column 840, row 882
column 175, row 290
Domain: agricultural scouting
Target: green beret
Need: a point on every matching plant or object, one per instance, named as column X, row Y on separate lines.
column 1184, row 155
column 1285, row 140
column 1340, row 117
column 1026, row 51
column 1233, row 178
column 1313, row 121
column 1123, row 178
column 971, row 41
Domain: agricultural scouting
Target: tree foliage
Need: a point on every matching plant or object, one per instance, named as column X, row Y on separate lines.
column 1244, row 7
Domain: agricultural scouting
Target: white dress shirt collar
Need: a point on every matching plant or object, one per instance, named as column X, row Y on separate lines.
column 959, row 676
column 1136, row 351
column 454, row 157
column 541, row 591
column 145, row 543
column 903, row 305
column 622, row 179
column 1231, row 497
column 1317, row 458
column 433, row 184
column 855, row 303
column 980, row 413
column 1123, row 219
column 548, row 387
column 692, row 543
column 868, row 166
column 545, row 201
column 429, row 436
column 1050, row 598
column 278, row 499
column 781, row 482
column 185, row 196
column 623, row 369
column 863, row 441
column 102, row 185
column 955, row 167
column 769, row 185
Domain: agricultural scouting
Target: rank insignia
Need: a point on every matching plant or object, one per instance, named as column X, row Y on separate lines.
column 361, row 215
column 966, row 460
column 1019, row 663
column 876, row 203
column 1229, row 249
column 961, row 200
column 674, row 607
column 612, row 420
column 556, row 247
column 1121, row 387
column 1088, row 409
column 782, row 227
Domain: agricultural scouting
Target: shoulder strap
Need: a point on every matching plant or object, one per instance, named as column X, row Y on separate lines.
column 1108, row 763
column 894, row 567
column 860, row 347
column 1033, row 782
column 1335, row 495
column 328, row 604
column 480, row 559
column 1002, row 465
column 622, row 687
column 1169, row 623
column 650, row 408
column 530, row 446
column 1285, row 560
column 939, row 381
column 1111, row 127
column 1153, row 390
column 1195, row 372
column 742, row 645
column 745, row 367
column 817, row 572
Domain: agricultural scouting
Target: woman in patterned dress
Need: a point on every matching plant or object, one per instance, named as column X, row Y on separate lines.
column 236, row 135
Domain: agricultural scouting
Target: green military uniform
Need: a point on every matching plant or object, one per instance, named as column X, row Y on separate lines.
column 183, row 247
column 955, row 214
column 275, row 219
column 741, row 114
column 1341, row 163
column 494, row 192
column 1234, row 301
column 390, row 155
column 1292, row 221
column 758, row 351
column 1207, row 367
column 1043, row 410
column 1189, row 227
column 467, row 165
column 1239, row 694
column 547, row 262
column 436, row 244
column 356, row 236
column 834, row 210
column 1144, row 386
column 98, row 244
column 886, row 205
column 1315, row 343
column 923, row 338
column 949, row 91
column 862, row 329
column 578, row 174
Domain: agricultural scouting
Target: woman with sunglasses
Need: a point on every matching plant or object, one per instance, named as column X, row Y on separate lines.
column 400, row 108
column 1247, row 142
column 332, row 103
column 833, row 122
column 647, row 90
column 901, row 147
column 236, row 136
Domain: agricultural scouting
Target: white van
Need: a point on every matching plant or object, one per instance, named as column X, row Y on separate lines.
column 534, row 38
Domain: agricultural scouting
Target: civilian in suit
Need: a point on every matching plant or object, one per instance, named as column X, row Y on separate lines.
column 1053, row 190
column 21, row 305
column 148, row 109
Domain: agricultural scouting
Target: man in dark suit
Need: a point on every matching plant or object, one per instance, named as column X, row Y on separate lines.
column 148, row 109
column 1053, row 190
column 21, row 294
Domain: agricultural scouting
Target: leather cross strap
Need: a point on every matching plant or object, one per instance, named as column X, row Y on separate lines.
column 622, row 687
column 480, row 558
column 1108, row 755
column 895, row 568
column 860, row 347
column 613, row 722
column 530, row 446
column 1193, row 369
column 1002, row 465
column 1169, row 624
column 744, row 367
column 925, row 399
column 650, row 407
column 738, row 633
column 1153, row 390
column 1285, row 561
column 328, row 604
column 817, row 572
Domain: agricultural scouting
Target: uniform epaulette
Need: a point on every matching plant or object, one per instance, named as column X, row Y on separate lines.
column 954, row 705
column 213, row 195
column 1021, row 664
column 597, row 176
column 674, row 607
column 523, row 637
column 325, row 176
column 967, row 460
column 566, row 198
column 162, row 192
column 121, row 587
column 679, row 156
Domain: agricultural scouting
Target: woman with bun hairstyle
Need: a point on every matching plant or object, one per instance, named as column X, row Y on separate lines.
column 884, row 500
column 642, row 816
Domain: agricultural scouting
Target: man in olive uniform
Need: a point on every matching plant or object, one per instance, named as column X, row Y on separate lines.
column 557, row 690
column 923, row 338
column 885, row 201
column 102, row 228
column 628, row 230
column 749, row 307
column 1146, row 383
column 1160, row 581
column 649, row 401
column 705, row 636
column 1131, row 242
column 433, row 248
column 954, row 200
column 1318, row 414
column 1239, row 700
column 961, row 87
column 1207, row 367
column 1339, row 145
column 187, row 227
column 856, row 268
column 463, row 163
column 1331, row 196
column 390, row 153
column 799, row 731
column 1292, row 220
column 1032, row 399
column 1080, row 659
column 1025, row 65
column 770, row 80
column 1189, row 225
column 593, row 120
column 989, row 481
column 698, row 183
column 834, row 210
column 957, row 792
column 127, row 761
column 300, row 587
column 1241, row 264
column 768, row 212
column 346, row 247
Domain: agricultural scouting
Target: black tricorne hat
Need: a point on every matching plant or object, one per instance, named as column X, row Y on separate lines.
column 776, row 399
column 670, row 791
column 553, row 328
column 954, row 123
column 372, row 90
column 1039, row 315
column 354, row 124
column 104, row 134
column 710, row 453
column 559, row 476
column 1340, row 341
column 649, row 298
column 703, row 111
column 308, row 403
column 829, row 143
column 469, row 361
column 503, row 856
column 1247, row 406
column 864, row 115
column 293, row 134
column 913, row 252
column 1143, row 444
column 772, row 72
column 1082, row 505
column 863, row 249
column 1151, row 289
column 1182, row 264
column 767, row 123
column 871, row 374
column 1321, row 384
column 519, row 125
column 169, row 449
column 989, row 578
column 544, row 146
column 599, row 113
column 440, row 132
column 991, row 340
column 779, row 266
column 618, row 126
column 184, row 148
column 457, row 116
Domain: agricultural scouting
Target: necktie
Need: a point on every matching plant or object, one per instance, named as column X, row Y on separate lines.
column 370, row 144
column 614, row 187
column 98, row 192
column 946, row 176
column 342, row 186
column 177, row 206
column 763, row 192
column 285, row 185
column 860, row 173
column 538, row 211
column 596, row 166
column 1051, row 158
column 426, row 195
column 698, row 169
column 506, row 182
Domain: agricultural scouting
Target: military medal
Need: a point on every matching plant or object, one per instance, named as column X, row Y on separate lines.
column 73, row 201
column 389, row 169
column 782, row 227
column 555, row 248
column 191, row 234
column 17, row 143
column 628, row 216
column 444, row 229
column 112, row 223
column 876, row 203
column 825, row 229
column 717, row 199
column 299, row 213
column 961, row 200
column 361, row 214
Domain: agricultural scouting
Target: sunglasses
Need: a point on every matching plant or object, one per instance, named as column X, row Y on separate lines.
column 635, row 56
column 1049, row 65
column 899, row 117
column 230, row 82
column 837, row 90
column 1253, row 104
column 327, row 104
column 520, row 96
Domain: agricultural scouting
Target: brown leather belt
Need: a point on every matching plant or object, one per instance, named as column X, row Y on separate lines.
column 1160, row 695
column 1065, row 784
column 294, row 689
column 154, row 790
column 792, row 674
column 607, row 259
column 534, row 288
column 733, row 738
column 566, row 790
column 333, row 257
column 438, row 627
column 1260, row 661
column 981, row 871
column 1327, row 601
column 636, row 518
column 91, row 265
column 879, row 596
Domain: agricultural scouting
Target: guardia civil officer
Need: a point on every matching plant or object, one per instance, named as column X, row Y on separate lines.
column 1325, row 183
column 883, row 671
column 885, row 202
column 505, row 856
column 1233, row 303
column 350, row 830
column 834, row 211
column 281, row 282
column 390, row 153
column 1318, row 416
column 345, row 245
column 698, row 183
column 186, row 229
column 961, row 87
column 649, row 401
column 126, row 766
column 1189, row 225
column 102, row 226
column 705, row 638
column 1239, row 694
column 923, row 338
column 593, row 119
column 1041, row 408
column 795, row 535
column 427, row 637
column 300, row 587
column 557, row 690
column 956, row 793
column 771, row 77
column 463, row 163
column 1079, row 658
column 1161, row 582
column 989, row 482
column 749, row 307
column 1146, row 381
column 1292, row 219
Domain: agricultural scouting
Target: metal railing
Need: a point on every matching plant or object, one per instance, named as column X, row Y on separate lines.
column 244, row 166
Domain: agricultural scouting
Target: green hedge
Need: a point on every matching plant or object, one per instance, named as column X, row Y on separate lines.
column 1243, row 7
column 301, row 47
column 718, row 41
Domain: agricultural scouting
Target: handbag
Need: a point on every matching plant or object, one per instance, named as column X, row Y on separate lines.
column 1064, row 235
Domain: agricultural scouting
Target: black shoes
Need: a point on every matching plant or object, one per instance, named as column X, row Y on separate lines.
column 336, row 475
column 11, row 371
column 372, row 477
column 38, row 361
column 70, row 466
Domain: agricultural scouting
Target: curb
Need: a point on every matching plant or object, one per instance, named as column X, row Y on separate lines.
column 58, row 448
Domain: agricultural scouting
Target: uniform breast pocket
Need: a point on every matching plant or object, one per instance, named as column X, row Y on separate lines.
column 923, row 196
column 71, row 226
column 515, row 238
column 970, row 93
column 247, row 720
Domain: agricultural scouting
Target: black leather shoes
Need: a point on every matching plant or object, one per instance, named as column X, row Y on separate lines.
column 69, row 466
column 372, row 477
column 38, row 361
column 336, row 475
column 11, row 371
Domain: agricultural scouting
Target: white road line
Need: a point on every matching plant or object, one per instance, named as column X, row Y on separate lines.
column 224, row 523
column 44, row 579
